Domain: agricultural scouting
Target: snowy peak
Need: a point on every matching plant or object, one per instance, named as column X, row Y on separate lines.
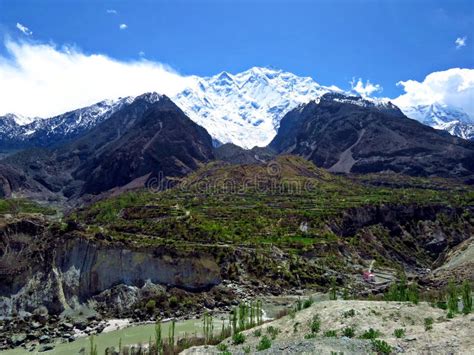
column 17, row 119
column 437, row 114
column 441, row 116
column 246, row 108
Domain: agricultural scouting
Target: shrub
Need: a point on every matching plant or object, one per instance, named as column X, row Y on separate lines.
column 381, row 347
column 307, row 303
column 370, row 334
column 349, row 313
column 257, row 333
column 413, row 295
column 315, row 324
column 333, row 290
column 246, row 349
column 399, row 333
column 466, row 297
column 221, row 347
column 264, row 344
column 310, row 336
column 238, row 338
column 150, row 306
column 173, row 301
column 428, row 323
column 452, row 297
column 273, row 331
column 348, row 332
column 330, row 333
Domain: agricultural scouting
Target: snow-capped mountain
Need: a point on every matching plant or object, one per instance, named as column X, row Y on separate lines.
column 246, row 108
column 444, row 117
column 16, row 131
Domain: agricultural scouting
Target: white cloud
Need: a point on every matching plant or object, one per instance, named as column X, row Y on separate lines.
column 364, row 90
column 111, row 11
column 141, row 53
column 452, row 87
column 26, row 31
column 460, row 42
column 43, row 80
column 123, row 26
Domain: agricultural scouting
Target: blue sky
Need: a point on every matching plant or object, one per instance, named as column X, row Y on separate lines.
column 331, row 41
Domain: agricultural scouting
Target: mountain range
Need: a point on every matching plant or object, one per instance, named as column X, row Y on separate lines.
column 244, row 109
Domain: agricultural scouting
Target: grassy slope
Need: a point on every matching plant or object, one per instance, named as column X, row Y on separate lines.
column 255, row 204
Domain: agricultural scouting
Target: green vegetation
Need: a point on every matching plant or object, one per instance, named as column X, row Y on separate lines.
column 401, row 292
column 315, row 324
column 158, row 339
column 273, row 332
column 264, row 344
column 238, row 338
column 349, row 313
column 261, row 210
column 371, row 334
column 92, row 346
column 452, row 301
column 221, row 347
column 381, row 346
column 207, row 327
column 399, row 333
column 466, row 297
column 16, row 206
column 333, row 290
column 330, row 333
column 348, row 332
column 428, row 323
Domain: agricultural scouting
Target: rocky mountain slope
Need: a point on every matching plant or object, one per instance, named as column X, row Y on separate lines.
column 149, row 139
column 21, row 133
column 244, row 109
column 355, row 136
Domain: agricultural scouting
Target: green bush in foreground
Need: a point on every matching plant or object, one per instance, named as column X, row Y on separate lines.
column 466, row 297
column 315, row 324
column 381, row 347
column 264, row 344
column 238, row 338
column 371, row 334
column 348, row 332
column 330, row 333
column 399, row 333
column 429, row 323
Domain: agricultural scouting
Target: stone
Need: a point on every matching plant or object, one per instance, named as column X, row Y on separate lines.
column 67, row 325
column 18, row 339
column 45, row 347
column 44, row 339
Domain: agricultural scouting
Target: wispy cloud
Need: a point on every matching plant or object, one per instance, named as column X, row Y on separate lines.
column 111, row 11
column 36, row 79
column 364, row 90
column 452, row 87
column 123, row 26
column 460, row 42
column 141, row 53
column 26, row 31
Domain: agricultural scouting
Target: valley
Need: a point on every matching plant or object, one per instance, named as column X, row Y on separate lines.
column 142, row 218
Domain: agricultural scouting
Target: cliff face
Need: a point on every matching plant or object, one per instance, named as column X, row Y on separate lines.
column 39, row 271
